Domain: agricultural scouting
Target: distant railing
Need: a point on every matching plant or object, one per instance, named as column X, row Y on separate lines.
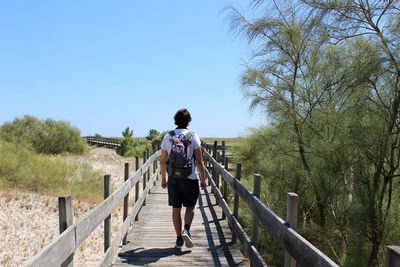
column 221, row 150
column 102, row 141
column 60, row 250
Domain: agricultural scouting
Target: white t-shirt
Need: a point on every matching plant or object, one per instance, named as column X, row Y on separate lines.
column 166, row 144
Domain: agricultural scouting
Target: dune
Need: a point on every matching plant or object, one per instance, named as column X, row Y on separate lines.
column 29, row 221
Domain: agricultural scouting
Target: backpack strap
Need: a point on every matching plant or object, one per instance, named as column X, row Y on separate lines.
column 172, row 133
column 188, row 135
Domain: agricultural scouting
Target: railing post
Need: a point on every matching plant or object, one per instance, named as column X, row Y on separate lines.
column 256, row 193
column 223, row 150
column 126, row 199
column 236, row 198
column 147, row 157
column 215, row 174
column 154, row 166
column 107, row 221
column 65, row 221
column 156, row 161
column 208, row 162
column 144, row 175
column 214, row 152
column 224, row 188
column 393, row 256
column 206, row 151
column 210, row 151
column 292, row 220
column 204, row 145
column 137, row 185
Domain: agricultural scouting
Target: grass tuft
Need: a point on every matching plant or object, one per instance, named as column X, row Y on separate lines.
column 23, row 169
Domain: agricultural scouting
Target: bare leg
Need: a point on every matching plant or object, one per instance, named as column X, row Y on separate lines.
column 189, row 214
column 177, row 220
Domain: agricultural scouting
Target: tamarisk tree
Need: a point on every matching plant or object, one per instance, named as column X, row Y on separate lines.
column 327, row 74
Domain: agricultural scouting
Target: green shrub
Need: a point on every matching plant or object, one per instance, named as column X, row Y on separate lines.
column 131, row 147
column 135, row 151
column 126, row 143
column 153, row 135
column 21, row 168
column 44, row 136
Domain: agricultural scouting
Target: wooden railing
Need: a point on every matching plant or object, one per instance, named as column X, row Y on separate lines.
column 102, row 141
column 220, row 154
column 298, row 247
column 61, row 249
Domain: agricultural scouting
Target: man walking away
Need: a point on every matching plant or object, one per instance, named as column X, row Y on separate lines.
column 181, row 157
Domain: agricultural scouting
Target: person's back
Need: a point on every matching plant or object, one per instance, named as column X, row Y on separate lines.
column 181, row 143
column 181, row 157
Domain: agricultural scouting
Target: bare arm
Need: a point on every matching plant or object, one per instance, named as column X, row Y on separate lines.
column 163, row 165
column 200, row 167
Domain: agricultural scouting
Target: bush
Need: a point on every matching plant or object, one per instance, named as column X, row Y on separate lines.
column 135, row 151
column 44, row 136
column 129, row 146
column 21, row 168
column 153, row 135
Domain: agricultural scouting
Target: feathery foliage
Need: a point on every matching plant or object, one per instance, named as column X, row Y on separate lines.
column 327, row 75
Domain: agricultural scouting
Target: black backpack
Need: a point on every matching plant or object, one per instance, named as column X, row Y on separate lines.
column 179, row 166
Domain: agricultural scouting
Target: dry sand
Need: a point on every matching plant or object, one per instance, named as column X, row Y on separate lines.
column 30, row 221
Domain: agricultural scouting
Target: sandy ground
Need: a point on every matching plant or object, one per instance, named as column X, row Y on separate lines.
column 29, row 221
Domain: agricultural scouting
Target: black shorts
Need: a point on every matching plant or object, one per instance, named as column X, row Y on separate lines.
column 182, row 191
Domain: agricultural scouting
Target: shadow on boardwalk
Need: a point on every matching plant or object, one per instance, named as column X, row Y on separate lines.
column 152, row 238
column 146, row 256
column 211, row 244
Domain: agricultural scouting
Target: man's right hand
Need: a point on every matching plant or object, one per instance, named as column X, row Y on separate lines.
column 164, row 183
column 203, row 184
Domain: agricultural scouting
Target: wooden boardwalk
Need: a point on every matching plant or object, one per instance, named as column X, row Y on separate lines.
column 151, row 240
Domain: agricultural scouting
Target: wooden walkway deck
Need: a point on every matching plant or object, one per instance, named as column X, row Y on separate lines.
column 151, row 240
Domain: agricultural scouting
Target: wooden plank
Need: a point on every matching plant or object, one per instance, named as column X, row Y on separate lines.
column 65, row 221
column 55, row 253
column 292, row 220
column 126, row 198
column 393, row 256
column 256, row 193
column 136, row 184
column 107, row 220
column 152, row 238
column 171, row 259
column 236, row 197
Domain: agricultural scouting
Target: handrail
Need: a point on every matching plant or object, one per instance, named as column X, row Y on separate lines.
column 251, row 250
column 57, row 251
column 299, row 248
column 108, row 141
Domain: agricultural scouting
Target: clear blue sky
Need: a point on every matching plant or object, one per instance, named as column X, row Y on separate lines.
column 105, row 65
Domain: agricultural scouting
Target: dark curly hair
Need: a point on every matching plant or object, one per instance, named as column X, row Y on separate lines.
column 182, row 118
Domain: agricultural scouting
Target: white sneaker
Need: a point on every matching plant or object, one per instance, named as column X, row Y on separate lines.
column 187, row 238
